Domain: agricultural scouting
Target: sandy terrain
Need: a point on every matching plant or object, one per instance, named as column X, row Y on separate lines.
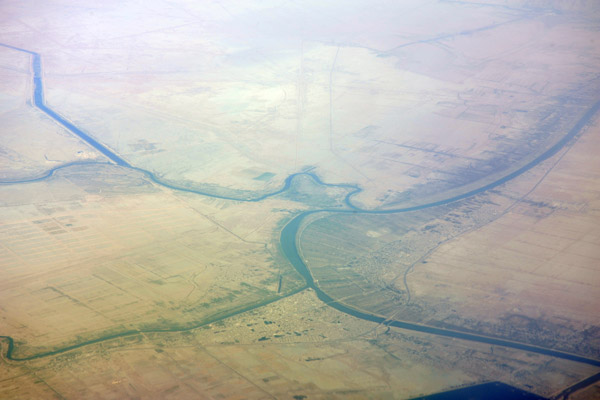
column 232, row 100
column 118, row 254
column 537, row 264
column 293, row 347
column 400, row 100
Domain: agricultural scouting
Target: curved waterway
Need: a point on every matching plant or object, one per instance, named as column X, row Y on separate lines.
column 288, row 238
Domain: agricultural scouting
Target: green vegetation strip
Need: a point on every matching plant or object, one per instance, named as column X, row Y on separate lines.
column 209, row 320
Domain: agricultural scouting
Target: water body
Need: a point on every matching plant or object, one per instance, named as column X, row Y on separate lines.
column 485, row 391
column 288, row 239
column 289, row 246
column 38, row 100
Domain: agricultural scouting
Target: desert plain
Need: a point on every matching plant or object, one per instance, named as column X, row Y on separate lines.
column 314, row 200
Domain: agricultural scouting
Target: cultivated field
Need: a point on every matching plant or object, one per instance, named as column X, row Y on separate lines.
column 97, row 250
column 295, row 347
column 535, row 270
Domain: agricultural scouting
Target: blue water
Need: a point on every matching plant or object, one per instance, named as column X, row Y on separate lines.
column 485, row 391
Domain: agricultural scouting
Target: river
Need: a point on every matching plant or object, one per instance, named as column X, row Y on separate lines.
column 288, row 238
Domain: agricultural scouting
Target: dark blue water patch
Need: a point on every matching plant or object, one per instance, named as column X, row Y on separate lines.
column 485, row 391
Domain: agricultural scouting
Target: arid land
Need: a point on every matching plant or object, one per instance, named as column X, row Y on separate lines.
column 166, row 278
